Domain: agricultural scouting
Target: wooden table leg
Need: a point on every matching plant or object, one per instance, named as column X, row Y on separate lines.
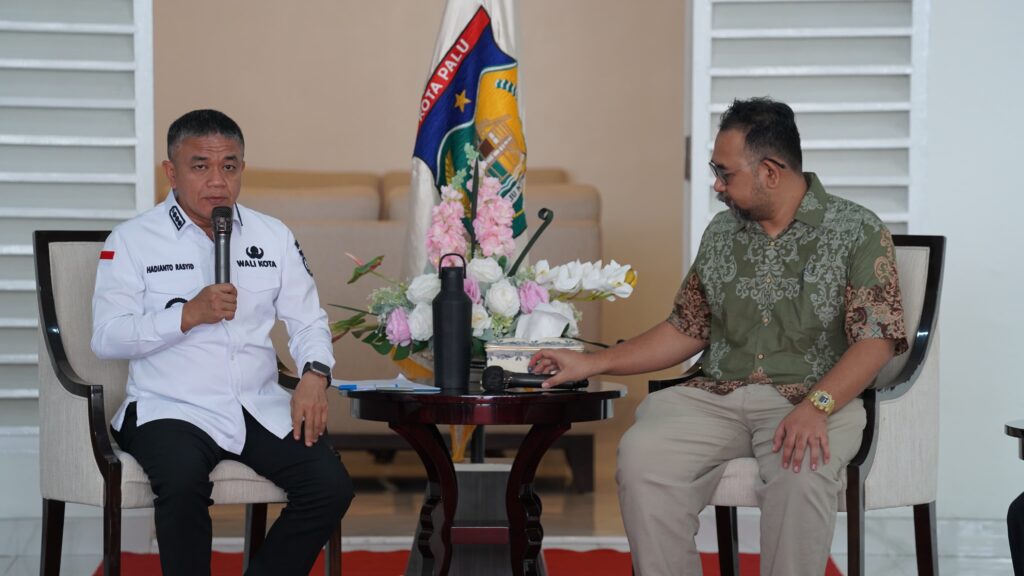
column 442, row 487
column 522, row 503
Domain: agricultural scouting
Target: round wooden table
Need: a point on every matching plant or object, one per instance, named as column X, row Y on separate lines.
column 415, row 416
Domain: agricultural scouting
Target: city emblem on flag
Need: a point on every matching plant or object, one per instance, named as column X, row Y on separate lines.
column 470, row 113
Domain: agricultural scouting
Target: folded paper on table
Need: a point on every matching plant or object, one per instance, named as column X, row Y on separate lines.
column 400, row 383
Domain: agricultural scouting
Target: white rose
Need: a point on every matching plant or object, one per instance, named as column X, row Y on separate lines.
column 481, row 320
column 421, row 322
column 613, row 280
column 568, row 277
column 485, row 270
column 423, row 288
column 503, row 299
column 542, row 273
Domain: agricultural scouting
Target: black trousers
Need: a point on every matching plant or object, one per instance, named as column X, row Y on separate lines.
column 178, row 457
column 1015, row 530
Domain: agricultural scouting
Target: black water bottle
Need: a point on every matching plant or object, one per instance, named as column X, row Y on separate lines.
column 453, row 330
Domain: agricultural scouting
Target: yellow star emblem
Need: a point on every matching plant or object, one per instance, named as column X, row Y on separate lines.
column 461, row 101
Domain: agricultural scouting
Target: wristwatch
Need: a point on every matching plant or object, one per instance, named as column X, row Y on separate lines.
column 318, row 368
column 822, row 401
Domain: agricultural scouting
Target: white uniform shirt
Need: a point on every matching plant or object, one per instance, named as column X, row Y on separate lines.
column 150, row 266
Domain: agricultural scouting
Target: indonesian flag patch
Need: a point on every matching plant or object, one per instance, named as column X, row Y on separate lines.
column 106, row 255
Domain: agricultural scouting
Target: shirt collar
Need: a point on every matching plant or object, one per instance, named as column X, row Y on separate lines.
column 812, row 206
column 180, row 221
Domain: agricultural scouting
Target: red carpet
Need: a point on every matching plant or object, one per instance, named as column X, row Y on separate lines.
column 559, row 563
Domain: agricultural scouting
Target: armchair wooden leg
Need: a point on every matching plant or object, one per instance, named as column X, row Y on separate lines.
column 255, row 531
column 728, row 539
column 332, row 563
column 925, row 538
column 112, row 535
column 854, row 522
column 52, row 537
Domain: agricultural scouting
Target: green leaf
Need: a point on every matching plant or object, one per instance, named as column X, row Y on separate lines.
column 401, row 353
column 365, row 269
column 349, row 308
column 383, row 348
column 478, row 348
column 343, row 327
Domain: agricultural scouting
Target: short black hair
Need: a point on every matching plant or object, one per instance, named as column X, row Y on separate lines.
column 202, row 123
column 769, row 128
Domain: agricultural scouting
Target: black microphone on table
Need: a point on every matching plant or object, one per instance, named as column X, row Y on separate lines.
column 496, row 379
column 221, row 244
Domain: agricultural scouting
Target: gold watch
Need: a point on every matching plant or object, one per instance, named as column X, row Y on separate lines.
column 822, row 401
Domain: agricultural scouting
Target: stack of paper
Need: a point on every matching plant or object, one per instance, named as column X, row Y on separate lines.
column 399, row 384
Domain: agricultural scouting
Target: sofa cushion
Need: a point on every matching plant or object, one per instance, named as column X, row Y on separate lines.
column 339, row 203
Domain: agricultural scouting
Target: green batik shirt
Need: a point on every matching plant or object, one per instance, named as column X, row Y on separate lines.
column 781, row 311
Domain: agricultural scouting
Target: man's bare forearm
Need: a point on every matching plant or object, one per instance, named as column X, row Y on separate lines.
column 660, row 347
column 855, row 370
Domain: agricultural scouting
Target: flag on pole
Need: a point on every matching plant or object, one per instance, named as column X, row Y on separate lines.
column 469, row 112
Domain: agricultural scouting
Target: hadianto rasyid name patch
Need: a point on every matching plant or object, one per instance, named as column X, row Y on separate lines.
column 155, row 268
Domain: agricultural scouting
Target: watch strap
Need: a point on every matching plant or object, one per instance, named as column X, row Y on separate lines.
column 318, row 368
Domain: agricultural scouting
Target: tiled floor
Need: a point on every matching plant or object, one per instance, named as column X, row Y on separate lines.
column 385, row 512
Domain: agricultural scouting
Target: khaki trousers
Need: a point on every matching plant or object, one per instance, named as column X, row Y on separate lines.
column 671, row 459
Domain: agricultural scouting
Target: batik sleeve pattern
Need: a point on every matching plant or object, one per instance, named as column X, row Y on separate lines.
column 874, row 307
column 691, row 313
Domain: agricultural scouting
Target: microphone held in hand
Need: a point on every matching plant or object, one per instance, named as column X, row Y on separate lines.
column 496, row 379
column 222, row 244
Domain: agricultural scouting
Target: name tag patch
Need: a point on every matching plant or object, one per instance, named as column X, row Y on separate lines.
column 169, row 267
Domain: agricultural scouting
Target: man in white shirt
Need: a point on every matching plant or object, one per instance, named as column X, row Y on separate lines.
column 202, row 379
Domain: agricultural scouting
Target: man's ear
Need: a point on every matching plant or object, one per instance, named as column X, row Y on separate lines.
column 172, row 176
column 773, row 175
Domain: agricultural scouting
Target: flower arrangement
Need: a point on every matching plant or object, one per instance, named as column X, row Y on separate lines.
column 509, row 299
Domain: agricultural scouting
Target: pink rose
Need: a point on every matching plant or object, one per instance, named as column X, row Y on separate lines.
column 472, row 288
column 398, row 328
column 530, row 295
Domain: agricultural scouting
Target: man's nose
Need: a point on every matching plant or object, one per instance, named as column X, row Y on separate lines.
column 217, row 179
column 718, row 186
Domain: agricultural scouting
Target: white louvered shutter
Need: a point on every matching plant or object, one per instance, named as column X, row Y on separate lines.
column 76, row 150
column 854, row 73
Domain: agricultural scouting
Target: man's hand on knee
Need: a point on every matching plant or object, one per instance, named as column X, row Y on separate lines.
column 309, row 408
column 804, row 427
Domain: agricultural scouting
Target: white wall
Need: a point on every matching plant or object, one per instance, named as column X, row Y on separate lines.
column 976, row 198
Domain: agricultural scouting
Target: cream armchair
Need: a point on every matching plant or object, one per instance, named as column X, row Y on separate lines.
column 897, row 464
column 78, row 392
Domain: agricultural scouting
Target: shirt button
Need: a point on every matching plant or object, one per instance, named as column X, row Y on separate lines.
column 768, row 280
column 760, row 356
column 765, row 320
column 772, row 243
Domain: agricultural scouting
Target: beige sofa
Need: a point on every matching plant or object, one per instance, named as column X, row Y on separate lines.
column 364, row 214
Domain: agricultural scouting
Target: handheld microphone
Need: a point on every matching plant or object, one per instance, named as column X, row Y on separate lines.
column 496, row 379
column 221, row 244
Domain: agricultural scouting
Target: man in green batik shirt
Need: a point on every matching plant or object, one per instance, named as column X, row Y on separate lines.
column 794, row 301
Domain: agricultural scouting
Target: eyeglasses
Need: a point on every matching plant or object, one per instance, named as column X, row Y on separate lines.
column 720, row 173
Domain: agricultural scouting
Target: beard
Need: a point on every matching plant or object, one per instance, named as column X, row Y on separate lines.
column 761, row 208
column 740, row 213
